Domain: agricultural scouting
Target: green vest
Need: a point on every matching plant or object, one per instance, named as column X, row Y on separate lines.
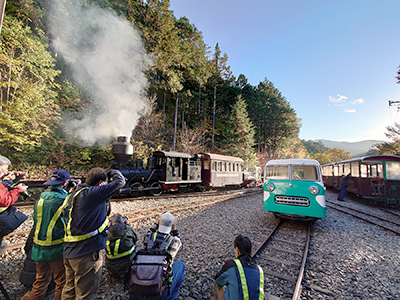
column 48, row 235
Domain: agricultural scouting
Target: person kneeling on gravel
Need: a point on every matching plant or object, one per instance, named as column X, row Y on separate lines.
column 121, row 246
column 241, row 277
column 161, row 245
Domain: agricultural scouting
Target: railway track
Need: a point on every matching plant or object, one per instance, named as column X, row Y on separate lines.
column 388, row 223
column 31, row 204
column 283, row 256
column 152, row 212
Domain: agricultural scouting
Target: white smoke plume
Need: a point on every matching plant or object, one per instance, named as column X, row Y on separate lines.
column 106, row 56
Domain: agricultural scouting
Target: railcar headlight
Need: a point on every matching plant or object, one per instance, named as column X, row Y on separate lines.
column 270, row 187
column 314, row 190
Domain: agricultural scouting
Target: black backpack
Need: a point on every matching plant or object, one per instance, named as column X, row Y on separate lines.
column 150, row 273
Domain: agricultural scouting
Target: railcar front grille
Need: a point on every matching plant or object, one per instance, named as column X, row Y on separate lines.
column 290, row 200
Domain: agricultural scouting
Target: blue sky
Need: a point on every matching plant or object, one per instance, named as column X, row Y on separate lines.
column 334, row 61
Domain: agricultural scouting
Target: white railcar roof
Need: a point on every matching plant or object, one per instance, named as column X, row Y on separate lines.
column 223, row 157
column 293, row 161
column 173, row 154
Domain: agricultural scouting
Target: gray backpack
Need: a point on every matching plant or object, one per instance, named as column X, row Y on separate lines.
column 150, row 273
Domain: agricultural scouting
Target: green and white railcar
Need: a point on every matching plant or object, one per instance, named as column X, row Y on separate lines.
column 294, row 189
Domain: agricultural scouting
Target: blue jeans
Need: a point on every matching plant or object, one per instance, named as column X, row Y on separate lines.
column 178, row 272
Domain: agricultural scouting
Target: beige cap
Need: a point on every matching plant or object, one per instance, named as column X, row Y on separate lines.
column 166, row 222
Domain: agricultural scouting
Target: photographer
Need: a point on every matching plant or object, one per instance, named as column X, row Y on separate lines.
column 8, row 196
column 86, row 233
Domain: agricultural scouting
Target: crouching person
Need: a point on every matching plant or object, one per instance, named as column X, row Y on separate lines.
column 121, row 246
column 241, row 277
column 161, row 244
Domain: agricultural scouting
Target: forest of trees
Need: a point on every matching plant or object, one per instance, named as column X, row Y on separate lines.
column 193, row 101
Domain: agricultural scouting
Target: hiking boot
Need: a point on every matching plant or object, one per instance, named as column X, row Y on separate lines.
column 3, row 246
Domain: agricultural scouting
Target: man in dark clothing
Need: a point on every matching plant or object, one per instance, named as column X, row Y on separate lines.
column 241, row 276
column 86, row 233
column 344, row 182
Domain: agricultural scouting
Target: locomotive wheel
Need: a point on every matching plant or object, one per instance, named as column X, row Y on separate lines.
column 156, row 189
column 183, row 189
column 138, row 189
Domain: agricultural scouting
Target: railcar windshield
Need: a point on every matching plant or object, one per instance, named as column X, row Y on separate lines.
column 278, row 172
column 304, row 173
column 393, row 170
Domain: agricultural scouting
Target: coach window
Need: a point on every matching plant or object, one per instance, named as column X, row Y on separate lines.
column 214, row 166
column 374, row 170
column 206, row 165
column 355, row 172
column 364, row 170
column 393, row 170
column 346, row 168
column 380, row 170
column 336, row 170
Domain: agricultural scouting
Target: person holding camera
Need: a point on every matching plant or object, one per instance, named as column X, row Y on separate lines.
column 48, row 237
column 121, row 246
column 8, row 196
column 86, row 221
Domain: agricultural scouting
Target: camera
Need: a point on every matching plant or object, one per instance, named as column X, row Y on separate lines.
column 72, row 184
column 11, row 184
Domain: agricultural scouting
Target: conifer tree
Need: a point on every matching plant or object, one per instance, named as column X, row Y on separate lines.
column 240, row 133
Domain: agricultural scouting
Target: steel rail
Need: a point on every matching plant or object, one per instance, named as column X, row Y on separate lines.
column 301, row 266
column 198, row 203
column 365, row 213
column 363, row 218
column 297, row 290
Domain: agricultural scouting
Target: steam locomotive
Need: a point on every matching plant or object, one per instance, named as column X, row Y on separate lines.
column 174, row 171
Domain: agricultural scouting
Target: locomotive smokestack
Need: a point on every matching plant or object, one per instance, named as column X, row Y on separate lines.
column 122, row 150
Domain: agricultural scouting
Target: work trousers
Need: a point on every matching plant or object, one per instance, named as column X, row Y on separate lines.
column 342, row 193
column 43, row 279
column 83, row 275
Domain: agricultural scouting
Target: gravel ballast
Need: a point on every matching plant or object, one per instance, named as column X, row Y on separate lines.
column 349, row 258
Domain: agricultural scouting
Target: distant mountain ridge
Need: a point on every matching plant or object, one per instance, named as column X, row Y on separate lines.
column 356, row 148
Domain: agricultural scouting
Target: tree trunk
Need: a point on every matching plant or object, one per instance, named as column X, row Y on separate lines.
column 175, row 122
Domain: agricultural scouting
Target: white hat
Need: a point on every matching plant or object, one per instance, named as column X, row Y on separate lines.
column 166, row 222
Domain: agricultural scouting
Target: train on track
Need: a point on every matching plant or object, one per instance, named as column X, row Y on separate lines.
column 175, row 171
column 375, row 178
column 294, row 189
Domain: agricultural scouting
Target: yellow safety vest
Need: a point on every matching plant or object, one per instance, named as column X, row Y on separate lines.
column 39, row 212
column 69, row 238
column 114, row 254
column 242, row 278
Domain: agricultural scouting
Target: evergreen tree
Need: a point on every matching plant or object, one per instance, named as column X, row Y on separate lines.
column 240, row 133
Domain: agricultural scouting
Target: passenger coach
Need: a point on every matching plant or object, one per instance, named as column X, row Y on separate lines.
column 294, row 189
column 221, row 170
column 372, row 177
